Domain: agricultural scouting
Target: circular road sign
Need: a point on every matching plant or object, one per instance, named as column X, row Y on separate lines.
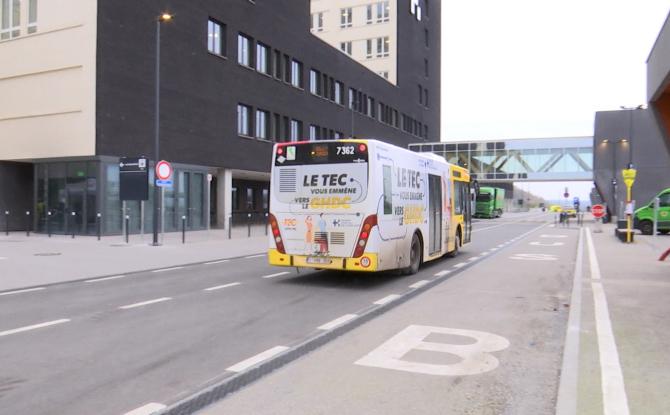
column 163, row 170
column 598, row 211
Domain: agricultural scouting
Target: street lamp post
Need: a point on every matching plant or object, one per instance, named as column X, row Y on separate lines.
column 165, row 17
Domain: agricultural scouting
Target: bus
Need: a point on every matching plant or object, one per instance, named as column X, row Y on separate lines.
column 490, row 202
column 364, row 205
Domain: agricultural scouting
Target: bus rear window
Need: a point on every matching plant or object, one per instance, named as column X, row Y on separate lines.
column 321, row 153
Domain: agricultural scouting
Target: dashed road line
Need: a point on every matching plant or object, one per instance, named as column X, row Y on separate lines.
column 220, row 287
column 167, row 269
column 442, row 273
column 275, row 275
column 460, row 265
column 217, row 262
column 254, row 256
column 474, row 258
column 252, row 361
column 27, row 290
column 387, row 299
column 147, row 409
column 337, row 322
column 421, row 283
column 115, row 277
column 33, row 327
column 143, row 303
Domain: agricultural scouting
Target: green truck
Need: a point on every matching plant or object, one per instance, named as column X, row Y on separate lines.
column 644, row 216
column 489, row 202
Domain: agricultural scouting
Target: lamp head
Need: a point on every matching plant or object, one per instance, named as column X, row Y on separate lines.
column 165, row 17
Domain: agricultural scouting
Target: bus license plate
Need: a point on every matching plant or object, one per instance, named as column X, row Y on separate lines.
column 318, row 260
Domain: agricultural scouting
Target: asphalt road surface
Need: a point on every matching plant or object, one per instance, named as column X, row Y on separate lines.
column 109, row 346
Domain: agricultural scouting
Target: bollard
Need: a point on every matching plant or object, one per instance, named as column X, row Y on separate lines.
column 48, row 225
column 183, row 229
column 127, row 227
column 248, row 225
column 230, row 226
column 6, row 222
column 27, row 223
column 266, row 224
column 73, row 214
column 98, row 219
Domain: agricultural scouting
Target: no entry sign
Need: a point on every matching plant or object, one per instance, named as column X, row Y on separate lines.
column 163, row 170
column 598, row 211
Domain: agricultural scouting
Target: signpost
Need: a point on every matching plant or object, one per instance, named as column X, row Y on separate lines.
column 134, row 178
column 598, row 212
column 164, row 172
column 629, row 179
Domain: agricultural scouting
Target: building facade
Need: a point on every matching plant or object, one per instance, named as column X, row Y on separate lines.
column 235, row 77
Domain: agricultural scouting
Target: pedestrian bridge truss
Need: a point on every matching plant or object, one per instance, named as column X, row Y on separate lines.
column 537, row 159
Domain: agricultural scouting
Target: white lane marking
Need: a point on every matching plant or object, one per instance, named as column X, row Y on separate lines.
column 337, row 322
column 442, row 273
column 217, row 262
column 615, row 401
column 501, row 245
column 252, row 361
column 534, row 257
column 166, row 269
column 566, row 402
column 115, row 277
column 484, row 253
column 220, row 287
column 254, row 256
column 493, row 249
column 554, row 236
column 143, row 303
column 460, row 265
column 474, row 258
column 33, row 327
column 27, row 290
column 475, row 358
column 148, row 409
column 543, row 244
column 275, row 275
column 387, row 299
column 2, row 257
column 421, row 283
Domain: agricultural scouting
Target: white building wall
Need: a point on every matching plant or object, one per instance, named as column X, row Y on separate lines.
column 360, row 32
column 47, row 83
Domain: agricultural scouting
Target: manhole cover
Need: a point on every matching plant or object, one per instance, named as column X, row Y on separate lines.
column 47, row 254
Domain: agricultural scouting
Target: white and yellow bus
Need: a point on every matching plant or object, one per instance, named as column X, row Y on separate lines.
column 364, row 205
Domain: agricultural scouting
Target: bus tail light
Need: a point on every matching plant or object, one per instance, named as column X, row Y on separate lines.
column 366, row 229
column 276, row 234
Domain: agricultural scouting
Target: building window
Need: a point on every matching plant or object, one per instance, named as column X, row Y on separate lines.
column 425, row 67
column 10, row 19
column 338, row 135
column 296, row 130
column 339, row 91
column 276, row 127
column 313, row 134
column 316, row 23
column 262, row 124
column 346, row 17
column 352, row 98
column 243, row 120
column 382, row 47
column 216, row 38
column 368, row 49
column 368, row 14
column 425, row 97
column 314, row 84
column 370, row 108
column 244, row 56
column 251, row 198
column 346, row 47
column 296, row 73
column 420, row 95
column 277, row 64
column 383, row 11
column 32, row 16
column 425, row 36
column 262, row 58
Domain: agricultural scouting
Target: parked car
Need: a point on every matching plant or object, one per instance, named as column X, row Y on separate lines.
column 644, row 216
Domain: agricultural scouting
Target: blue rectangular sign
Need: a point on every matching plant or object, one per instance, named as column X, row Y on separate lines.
column 164, row 183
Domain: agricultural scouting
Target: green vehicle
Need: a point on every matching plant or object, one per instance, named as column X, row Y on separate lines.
column 490, row 202
column 644, row 216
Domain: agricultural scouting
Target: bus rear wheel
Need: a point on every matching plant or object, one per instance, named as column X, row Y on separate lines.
column 457, row 244
column 414, row 256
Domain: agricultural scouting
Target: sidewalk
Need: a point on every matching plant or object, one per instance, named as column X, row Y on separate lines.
column 38, row 259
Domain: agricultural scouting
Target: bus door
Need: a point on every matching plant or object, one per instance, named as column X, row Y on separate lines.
column 466, row 197
column 434, row 213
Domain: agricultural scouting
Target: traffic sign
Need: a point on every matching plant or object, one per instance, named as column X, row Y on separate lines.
column 598, row 211
column 163, row 170
column 164, row 183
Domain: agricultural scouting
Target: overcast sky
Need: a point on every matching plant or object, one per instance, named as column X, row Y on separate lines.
column 529, row 68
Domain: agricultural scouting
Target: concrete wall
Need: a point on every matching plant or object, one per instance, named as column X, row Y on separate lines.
column 15, row 178
column 47, row 81
column 645, row 147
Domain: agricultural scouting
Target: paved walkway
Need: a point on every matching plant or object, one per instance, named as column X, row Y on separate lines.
column 38, row 259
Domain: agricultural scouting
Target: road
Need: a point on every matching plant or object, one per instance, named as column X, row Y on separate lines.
column 112, row 345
